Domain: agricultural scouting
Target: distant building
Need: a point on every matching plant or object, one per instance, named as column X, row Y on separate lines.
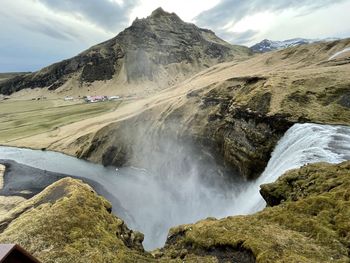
column 91, row 99
column 12, row 253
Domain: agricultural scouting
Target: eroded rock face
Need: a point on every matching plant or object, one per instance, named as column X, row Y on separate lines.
column 241, row 137
column 237, row 111
column 160, row 48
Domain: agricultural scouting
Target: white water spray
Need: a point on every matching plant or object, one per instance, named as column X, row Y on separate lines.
column 176, row 194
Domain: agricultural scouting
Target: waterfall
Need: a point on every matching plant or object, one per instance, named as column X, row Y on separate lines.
column 302, row 144
column 175, row 192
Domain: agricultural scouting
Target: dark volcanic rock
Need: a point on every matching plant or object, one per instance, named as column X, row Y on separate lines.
column 345, row 100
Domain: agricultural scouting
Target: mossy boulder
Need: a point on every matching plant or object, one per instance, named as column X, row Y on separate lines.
column 69, row 222
column 309, row 180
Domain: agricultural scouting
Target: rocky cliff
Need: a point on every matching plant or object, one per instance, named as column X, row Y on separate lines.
column 155, row 52
column 307, row 222
column 237, row 111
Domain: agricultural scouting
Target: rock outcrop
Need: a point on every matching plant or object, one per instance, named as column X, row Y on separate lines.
column 68, row 222
column 157, row 51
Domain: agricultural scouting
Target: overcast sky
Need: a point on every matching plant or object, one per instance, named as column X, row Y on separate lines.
column 36, row 33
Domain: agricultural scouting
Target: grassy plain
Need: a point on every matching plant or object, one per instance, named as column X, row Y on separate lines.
column 23, row 118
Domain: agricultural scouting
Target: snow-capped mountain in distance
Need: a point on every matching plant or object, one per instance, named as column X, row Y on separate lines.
column 269, row 45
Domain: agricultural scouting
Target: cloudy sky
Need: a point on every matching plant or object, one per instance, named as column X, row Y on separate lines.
column 36, row 33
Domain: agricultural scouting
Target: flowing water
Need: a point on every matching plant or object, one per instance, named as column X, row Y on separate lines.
column 301, row 144
column 155, row 202
column 178, row 195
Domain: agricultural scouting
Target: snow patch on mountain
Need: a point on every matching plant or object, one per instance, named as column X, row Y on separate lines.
column 269, row 45
column 339, row 53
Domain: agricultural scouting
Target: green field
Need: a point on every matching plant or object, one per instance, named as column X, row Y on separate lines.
column 20, row 119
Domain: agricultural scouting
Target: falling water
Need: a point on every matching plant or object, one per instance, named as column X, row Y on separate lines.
column 171, row 191
column 301, row 144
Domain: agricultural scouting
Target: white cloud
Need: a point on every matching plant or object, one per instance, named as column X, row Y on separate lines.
column 332, row 21
column 326, row 22
column 276, row 19
column 36, row 33
column 33, row 36
column 257, row 22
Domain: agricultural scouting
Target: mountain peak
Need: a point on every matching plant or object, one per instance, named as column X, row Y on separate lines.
column 157, row 15
column 267, row 45
column 156, row 49
column 159, row 12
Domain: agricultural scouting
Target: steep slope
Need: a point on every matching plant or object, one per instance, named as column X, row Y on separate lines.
column 153, row 53
column 9, row 75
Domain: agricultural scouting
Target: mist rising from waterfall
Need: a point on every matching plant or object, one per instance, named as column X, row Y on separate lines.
column 182, row 183
column 175, row 182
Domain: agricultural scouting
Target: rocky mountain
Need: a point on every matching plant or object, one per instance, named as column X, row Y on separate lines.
column 267, row 45
column 155, row 52
column 9, row 75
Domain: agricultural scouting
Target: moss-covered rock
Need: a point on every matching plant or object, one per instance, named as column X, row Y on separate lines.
column 309, row 180
column 68, row 222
